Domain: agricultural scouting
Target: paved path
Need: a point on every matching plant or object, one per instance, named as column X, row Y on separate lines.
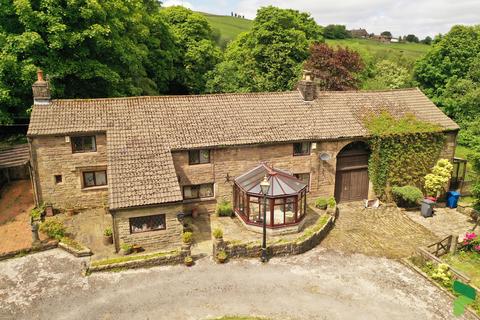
column 444, row 222
column 384, row 232
column 320, row 284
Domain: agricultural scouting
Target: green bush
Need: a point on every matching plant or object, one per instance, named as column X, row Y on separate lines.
column 187, row 237
column 108, row 232
column 37, row 212
column 331, row 202
column 217, row 233
column 126, row 247
column 222, row 255
column 321, row 203
column 53, row 228
column 224, row 209
column 407, row 196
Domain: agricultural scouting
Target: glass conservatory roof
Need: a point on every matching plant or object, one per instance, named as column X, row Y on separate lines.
column 282, row 183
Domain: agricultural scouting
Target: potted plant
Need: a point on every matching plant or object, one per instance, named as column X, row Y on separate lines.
column 187, row 237
column 321, row 203
column 125, row 249
column 188, row 261
column 107, row 236
column 217, row 233
column 69, row 211
column 331, row 205
column 222, row 256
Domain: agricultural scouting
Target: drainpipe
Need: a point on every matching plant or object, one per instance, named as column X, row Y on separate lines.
column 32, row 168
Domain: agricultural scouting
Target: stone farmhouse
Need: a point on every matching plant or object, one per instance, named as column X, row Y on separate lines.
column 147, row 159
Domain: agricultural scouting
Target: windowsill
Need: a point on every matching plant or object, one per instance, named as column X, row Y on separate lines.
column 199, row 164
column 84, row 152
column 95, row 188
column 140, row 233
column 301, row 155
column 199, row 200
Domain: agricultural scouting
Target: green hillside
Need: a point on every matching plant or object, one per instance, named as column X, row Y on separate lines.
column 229, row 27
column 410, row 50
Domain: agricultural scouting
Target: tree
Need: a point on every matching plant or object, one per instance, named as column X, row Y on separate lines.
column 387, row 34
column 428, row 40
column 388, row 75
column 270, row 56
column 88, row 48
column 336, row 31
column 198, row 52
column 411, row 38
column 453, row 57
column 334, row 69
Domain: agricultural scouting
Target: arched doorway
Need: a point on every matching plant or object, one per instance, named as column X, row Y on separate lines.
column 351, row 179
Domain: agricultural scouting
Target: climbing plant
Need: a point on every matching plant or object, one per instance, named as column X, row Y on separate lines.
column 403, row 151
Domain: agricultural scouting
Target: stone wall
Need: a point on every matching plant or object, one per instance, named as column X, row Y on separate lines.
column 52, row 155
column 448, row 151
column 169, row 238
column 254, row 249
column 228, row 163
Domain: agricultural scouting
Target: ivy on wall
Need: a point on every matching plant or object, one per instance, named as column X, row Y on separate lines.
column 403, row 151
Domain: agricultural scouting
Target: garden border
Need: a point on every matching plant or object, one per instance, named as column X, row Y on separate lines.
column 43, row 246
column 292, row 247
column 85, row 252
column 411, row 266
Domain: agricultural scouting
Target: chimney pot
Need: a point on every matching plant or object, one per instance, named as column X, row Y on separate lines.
column 41, row 90
column 307, row 86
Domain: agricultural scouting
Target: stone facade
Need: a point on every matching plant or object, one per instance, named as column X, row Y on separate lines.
column 170, row 238
column 448, row 151
column 52, row 155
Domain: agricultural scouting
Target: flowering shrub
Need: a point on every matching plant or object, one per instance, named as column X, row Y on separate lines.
column 436, row 181
column 471, row 242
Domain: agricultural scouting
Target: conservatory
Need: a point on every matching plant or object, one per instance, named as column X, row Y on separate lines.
column 286, row 200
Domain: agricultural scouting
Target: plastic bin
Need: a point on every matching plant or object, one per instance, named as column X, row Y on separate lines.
column 452, row 199
column 427, row 208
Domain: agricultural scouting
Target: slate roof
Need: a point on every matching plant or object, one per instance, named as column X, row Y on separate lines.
column 142, row 131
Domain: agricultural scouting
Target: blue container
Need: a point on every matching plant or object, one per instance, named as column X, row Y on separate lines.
column 452, row 199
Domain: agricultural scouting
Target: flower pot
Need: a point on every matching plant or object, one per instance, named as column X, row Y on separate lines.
column 49, row 211
column 69, row 212
column 221, row 259
column 188, row 261
column 194, row 213
column 107, row 240
column 125, row 252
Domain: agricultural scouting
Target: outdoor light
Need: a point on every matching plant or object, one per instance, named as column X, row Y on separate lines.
column 264, row 186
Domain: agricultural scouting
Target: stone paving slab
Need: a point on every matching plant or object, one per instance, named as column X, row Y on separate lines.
column 385, row 231
column 444, row 222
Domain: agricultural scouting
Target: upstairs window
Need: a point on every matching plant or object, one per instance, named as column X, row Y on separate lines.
column 94, row 178
column 198, row 191
column 198, row 156
column 301, row 149
column 83, row 144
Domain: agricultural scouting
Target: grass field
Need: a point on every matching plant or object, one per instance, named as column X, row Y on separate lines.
column 230, row 27
column 411, row 50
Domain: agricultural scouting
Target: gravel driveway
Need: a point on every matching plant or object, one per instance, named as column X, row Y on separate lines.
column 320, row 284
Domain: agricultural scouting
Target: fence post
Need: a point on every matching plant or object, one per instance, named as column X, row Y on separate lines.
column 453, row 246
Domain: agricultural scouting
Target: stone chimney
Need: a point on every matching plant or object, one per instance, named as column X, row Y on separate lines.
column 307, row 86
column 41, row 90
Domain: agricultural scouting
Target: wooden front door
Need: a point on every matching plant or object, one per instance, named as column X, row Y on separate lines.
column 351, row 183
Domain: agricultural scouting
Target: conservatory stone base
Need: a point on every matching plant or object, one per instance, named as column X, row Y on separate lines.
column 285, row 229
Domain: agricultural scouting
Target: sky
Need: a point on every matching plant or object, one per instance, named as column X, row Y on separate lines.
column 401, row 17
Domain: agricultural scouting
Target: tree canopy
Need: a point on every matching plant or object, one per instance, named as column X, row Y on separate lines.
column 270, row 56
column 334, row 69
column 336, row 31
column 387, row 34
column 88, row 48
column 197, row 47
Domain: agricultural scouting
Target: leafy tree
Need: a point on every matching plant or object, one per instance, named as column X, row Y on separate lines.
column 89, row 49
column 428, row 40
column 270, row 56
column 453, row 57
column 387, row 34
column 411, row 38
column 198, row 51
column 334, row 69
column 389, row 75
column 336, row 31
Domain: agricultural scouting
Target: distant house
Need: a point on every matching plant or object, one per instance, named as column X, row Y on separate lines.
column 148, row 159
column 359, row 33
column 381, row 38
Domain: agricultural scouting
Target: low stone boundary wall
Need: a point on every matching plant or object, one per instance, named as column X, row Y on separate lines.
column 75, row 249
column 457, row 275
column 300, row 245
column 19, row 253
column 140, row 261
